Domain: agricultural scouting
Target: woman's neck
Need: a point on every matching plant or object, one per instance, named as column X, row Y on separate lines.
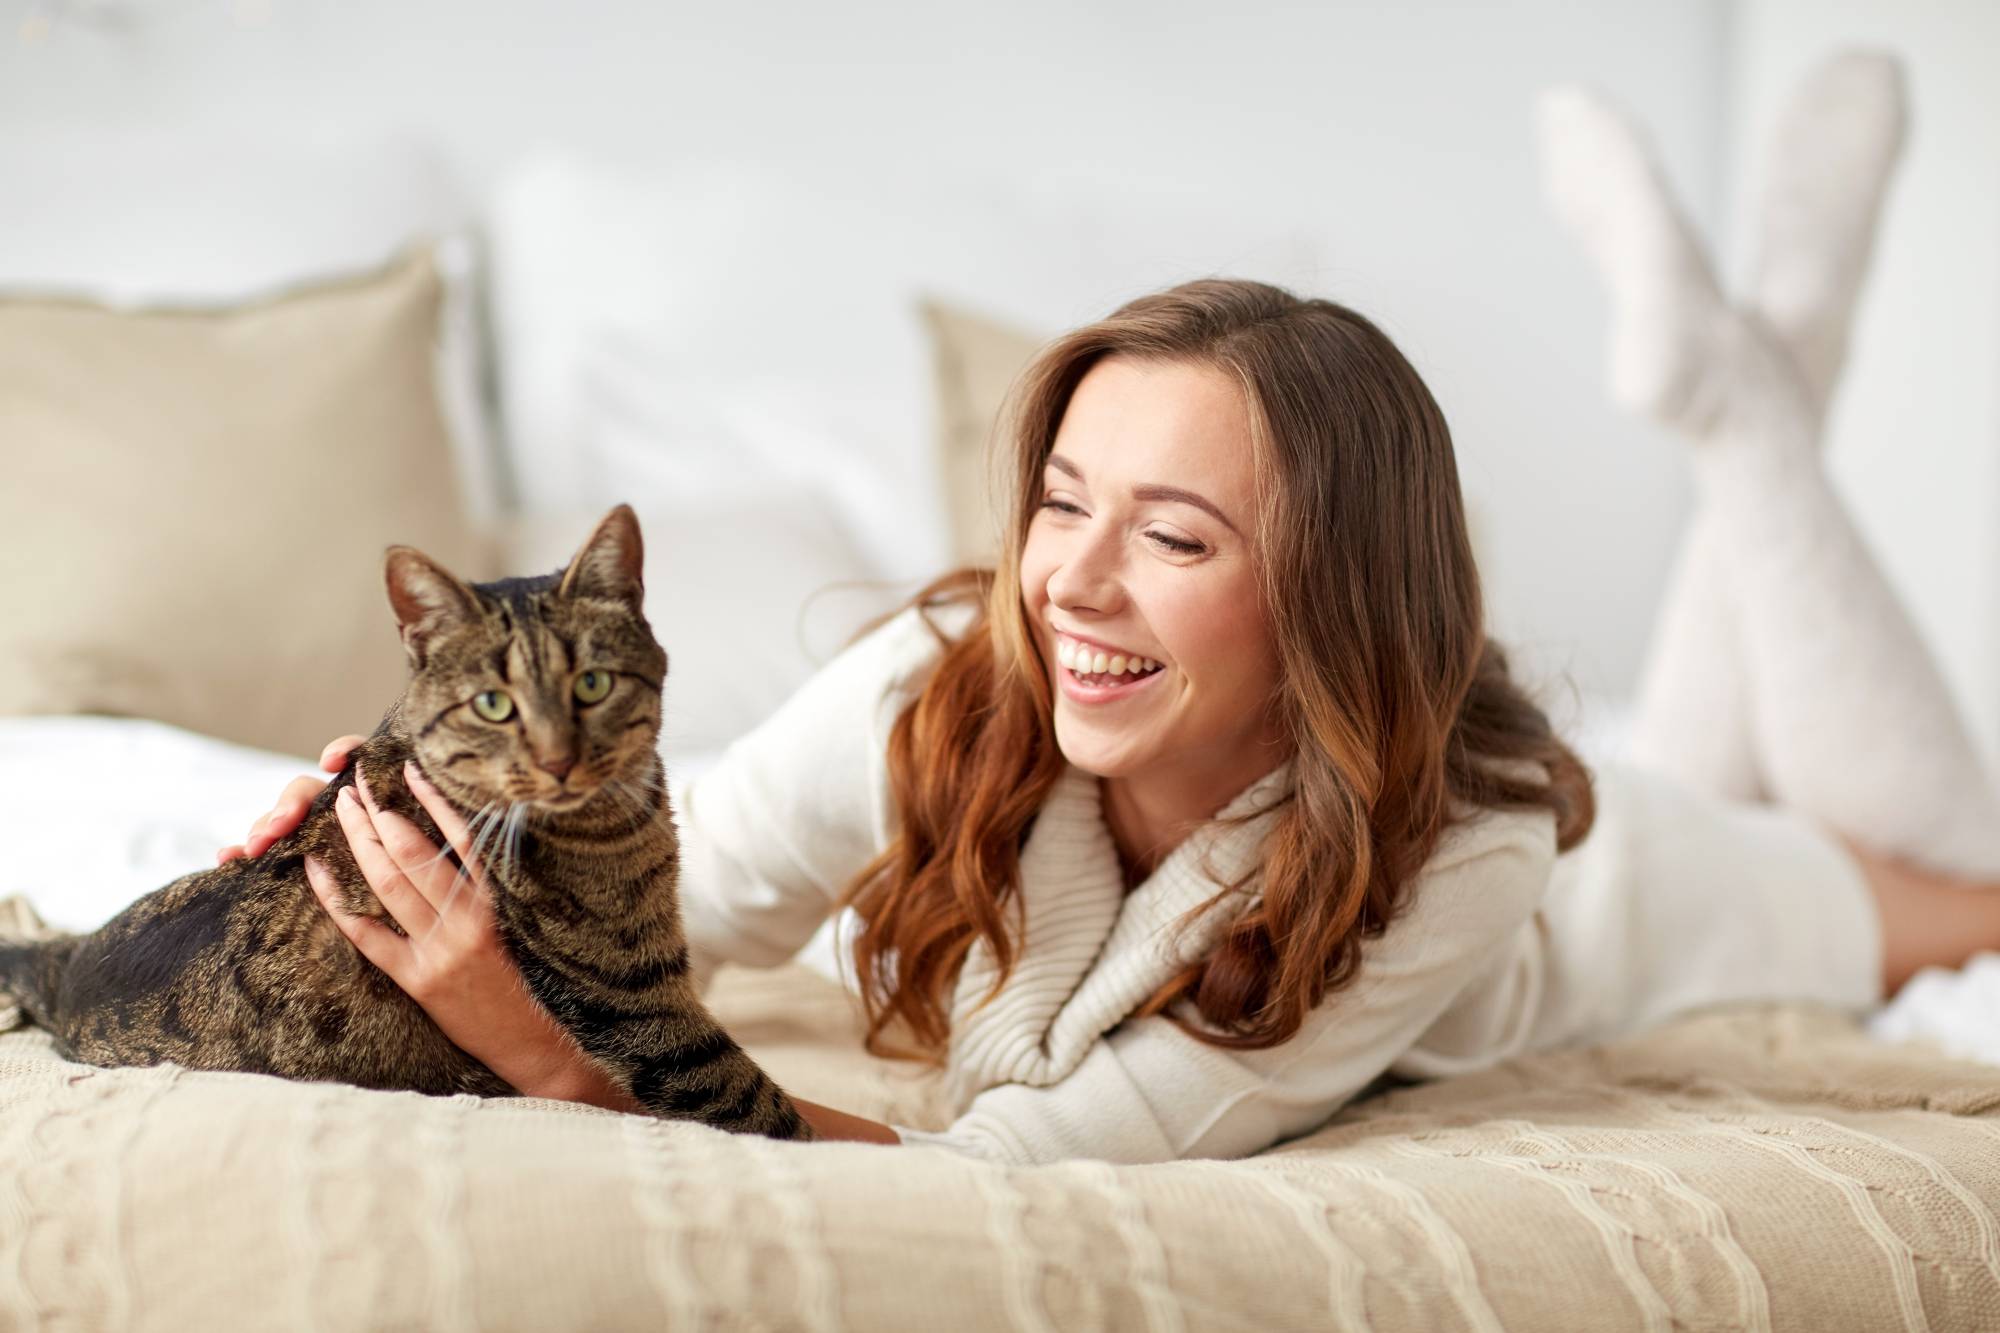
column 1150, row 816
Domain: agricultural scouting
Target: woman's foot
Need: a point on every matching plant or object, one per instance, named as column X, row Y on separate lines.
column 1679, row 351
column 1669, row 319
column 1825, row 176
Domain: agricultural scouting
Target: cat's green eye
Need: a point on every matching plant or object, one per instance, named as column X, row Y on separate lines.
column 493, row 706
column 592, row 686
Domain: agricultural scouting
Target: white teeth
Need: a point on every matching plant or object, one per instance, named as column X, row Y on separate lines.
column 1086, row 661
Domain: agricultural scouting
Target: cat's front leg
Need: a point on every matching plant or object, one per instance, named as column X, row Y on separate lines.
column 679, row 1063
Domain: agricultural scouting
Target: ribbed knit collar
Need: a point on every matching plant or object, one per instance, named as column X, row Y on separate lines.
column 1092, row 952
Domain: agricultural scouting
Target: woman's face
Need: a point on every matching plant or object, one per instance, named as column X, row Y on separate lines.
column 1140, row 583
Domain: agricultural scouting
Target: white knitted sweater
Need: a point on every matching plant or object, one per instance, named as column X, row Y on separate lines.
column 1054, row 1067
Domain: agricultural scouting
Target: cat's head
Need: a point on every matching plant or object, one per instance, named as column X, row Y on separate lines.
column 536, row 690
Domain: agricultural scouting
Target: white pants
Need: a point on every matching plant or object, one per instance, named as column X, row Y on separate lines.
column 1679, row 898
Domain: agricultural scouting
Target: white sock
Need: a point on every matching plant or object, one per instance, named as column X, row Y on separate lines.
column 1692, row 718
column 1852, row 720
column 1602, row 183
column 1836, row 144
column 1849, row 716
column 1825, row 173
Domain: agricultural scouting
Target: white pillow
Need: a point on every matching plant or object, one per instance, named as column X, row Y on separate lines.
column 754, row 575
column 153, row 218
column 747, row 291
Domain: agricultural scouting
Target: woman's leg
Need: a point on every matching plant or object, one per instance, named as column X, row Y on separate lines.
column 1851, row 720
column 1692, row 715
column 1825, row 172
column 1928, row 919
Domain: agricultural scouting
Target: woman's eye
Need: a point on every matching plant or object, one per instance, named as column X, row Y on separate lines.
column 1063, row 505
column 592, row 686
column 1176, row 545
column 493, row 706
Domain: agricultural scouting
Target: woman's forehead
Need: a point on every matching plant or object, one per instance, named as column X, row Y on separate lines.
column 1132, row 422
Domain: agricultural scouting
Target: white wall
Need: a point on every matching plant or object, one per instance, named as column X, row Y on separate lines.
column 1401, row 133
column 1915, row 444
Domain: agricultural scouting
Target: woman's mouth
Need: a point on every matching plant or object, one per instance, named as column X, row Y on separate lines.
column 1092, row 673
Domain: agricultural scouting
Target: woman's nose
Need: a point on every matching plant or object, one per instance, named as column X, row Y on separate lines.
column 1089, row 578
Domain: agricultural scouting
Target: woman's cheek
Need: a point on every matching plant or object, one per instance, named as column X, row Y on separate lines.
column 1223, row 638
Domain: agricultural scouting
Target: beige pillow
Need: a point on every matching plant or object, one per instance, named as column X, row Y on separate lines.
column 196, row 503
column 974, row 360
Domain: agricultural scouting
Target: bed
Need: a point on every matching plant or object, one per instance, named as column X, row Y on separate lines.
column 1766, row 1167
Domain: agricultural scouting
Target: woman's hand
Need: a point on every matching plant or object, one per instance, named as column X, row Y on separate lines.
column 450, row 958
column 292, row 805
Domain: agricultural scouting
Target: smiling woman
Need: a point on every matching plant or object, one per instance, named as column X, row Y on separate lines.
column 1256, row 495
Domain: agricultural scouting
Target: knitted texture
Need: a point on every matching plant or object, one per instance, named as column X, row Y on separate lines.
column 1740, row 1168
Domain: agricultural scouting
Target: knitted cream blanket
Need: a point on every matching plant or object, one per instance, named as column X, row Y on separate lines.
column 1745, row 1168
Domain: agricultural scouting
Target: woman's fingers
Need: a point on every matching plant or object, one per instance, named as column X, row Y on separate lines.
column 428, row 867
column 378, row 944
column 286, row 815
column 445, row 815
column 334, row 757
column 413, row 912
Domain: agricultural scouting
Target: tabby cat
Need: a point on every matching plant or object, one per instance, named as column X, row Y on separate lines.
column 533, row 705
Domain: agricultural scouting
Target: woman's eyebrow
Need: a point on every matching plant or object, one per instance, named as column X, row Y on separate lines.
column 1153, row 491
column 1156, row 492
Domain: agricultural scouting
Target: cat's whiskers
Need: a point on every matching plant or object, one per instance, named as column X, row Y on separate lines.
column 446, row 850
column 516, row 818
column 482, row 826
column 633, row 798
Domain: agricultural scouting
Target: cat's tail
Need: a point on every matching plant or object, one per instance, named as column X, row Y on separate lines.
column 30, row 971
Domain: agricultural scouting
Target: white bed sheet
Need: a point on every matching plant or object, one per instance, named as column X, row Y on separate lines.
column 97, row 811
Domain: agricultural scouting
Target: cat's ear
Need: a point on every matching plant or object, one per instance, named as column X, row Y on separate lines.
column 426, row 598
column 611, row 563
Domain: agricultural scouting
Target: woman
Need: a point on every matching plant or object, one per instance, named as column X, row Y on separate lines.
column 1215, row 803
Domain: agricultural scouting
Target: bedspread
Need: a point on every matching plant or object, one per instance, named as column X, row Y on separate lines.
column 1766, row 1167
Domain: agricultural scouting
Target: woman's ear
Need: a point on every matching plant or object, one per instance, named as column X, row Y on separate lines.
column 426, row 598
column 611, row 564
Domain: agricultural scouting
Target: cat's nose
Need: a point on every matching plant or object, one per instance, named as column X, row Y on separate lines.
column 557, row 768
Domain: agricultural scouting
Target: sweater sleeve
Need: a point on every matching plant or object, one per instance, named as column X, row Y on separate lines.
column 1149, row 1092
column 794, row 809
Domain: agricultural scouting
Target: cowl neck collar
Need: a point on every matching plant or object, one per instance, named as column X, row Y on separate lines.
column 1092, row 952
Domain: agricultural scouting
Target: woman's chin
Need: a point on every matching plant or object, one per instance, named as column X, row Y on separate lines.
column 1103, row 757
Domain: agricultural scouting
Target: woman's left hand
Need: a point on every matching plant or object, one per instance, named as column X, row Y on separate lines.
column 450, row 958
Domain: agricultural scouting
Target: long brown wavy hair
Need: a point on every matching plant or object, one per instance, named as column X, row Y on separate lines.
column 1396, row 701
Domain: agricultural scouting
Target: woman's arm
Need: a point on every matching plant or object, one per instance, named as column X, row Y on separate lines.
column 796, row 807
